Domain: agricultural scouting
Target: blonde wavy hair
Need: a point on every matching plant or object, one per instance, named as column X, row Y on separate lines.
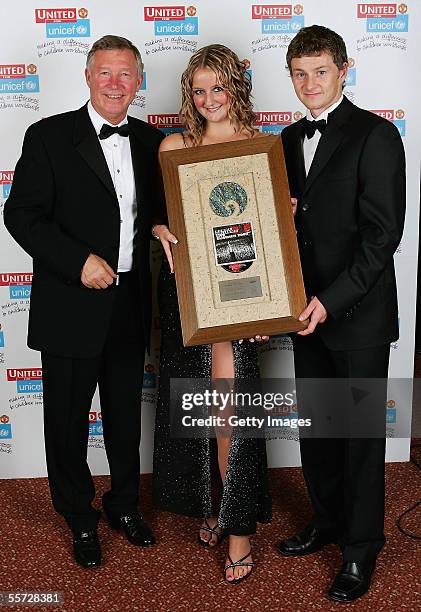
column 231, row 73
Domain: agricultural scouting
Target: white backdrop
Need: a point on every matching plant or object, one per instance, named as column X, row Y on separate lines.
column 42, row 56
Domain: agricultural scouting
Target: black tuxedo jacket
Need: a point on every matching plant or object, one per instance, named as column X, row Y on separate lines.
column 349, row 223
column 63, row 206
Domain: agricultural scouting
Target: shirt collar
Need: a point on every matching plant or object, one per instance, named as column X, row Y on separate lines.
column 98, row 120
column 325, row 113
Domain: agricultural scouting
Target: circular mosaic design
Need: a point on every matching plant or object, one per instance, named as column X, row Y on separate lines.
column 227, row 199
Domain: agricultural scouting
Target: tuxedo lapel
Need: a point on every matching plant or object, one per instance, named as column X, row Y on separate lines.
column 293, row 146
column 299, row 156
column 140, row 162
column 329, row 142
column 87, row 144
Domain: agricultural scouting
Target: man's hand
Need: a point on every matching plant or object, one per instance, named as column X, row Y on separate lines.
column 167, row 239
column 294, row 203
column 96, row 273
column 317, row 313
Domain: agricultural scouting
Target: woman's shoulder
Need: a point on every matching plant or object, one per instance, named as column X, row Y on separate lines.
column 172, row 142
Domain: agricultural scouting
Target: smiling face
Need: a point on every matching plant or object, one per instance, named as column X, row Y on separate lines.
column 113, row 80
column 317, row 81
column 209, row 96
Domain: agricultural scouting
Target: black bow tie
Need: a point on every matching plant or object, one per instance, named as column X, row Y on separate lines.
column 109, row 130
column 312, row 126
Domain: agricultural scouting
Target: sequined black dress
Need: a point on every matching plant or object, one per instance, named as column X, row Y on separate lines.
column 186, row 476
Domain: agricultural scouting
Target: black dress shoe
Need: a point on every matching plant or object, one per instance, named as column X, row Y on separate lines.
column 134, row 528
column 86, row 548
column 308, row 541
column 351, row 582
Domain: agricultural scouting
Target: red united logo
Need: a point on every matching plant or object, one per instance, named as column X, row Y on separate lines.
column 367, row 11
column 31, row 68
column 191, row 11
column 6, row 177
column 15, row 278
column 400, row 114
column 402, row 8
column 165, row 120
column 164, row 13
column 298, row 9
column 12, row 71
column 55, row 15
column 4, row 419
column 271, row 11
column 14, row 374
column 83, row 13
column 388, row 114
column 274, row 118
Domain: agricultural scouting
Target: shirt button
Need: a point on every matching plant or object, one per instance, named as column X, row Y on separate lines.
column 121, row 195
column 115, row 146
column 118, row 171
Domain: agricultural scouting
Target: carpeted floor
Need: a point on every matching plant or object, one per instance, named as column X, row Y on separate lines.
column 177, row 574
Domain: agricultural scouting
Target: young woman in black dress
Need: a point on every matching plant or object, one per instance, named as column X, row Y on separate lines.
column 216, row 107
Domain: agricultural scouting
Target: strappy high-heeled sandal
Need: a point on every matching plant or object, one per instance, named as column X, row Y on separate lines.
column 220, row 535
column 240, row 563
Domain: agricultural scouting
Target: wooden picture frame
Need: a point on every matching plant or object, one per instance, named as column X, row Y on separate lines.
column 237, row 264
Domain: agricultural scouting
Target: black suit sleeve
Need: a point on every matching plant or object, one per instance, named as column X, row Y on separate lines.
column 160, row 213
column 381, row 213
column 29, row 212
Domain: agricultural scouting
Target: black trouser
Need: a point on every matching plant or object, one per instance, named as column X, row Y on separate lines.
column 69, row 386
column 345, row 476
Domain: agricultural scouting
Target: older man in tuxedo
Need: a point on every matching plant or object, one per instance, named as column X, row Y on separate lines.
column 346, row 167
column 82, row 204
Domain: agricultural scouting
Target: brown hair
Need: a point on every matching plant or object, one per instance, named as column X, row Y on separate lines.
column 111, row 42
column 232, row 75
column 314, row 40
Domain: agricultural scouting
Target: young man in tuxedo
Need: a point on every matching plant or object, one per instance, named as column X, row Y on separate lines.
column 346, row 167
column 82, row 205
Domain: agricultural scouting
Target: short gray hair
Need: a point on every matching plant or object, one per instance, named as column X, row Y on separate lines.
column 111, row 42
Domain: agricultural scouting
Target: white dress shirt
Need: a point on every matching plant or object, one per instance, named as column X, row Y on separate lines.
column 310, row 144
column 118, row 155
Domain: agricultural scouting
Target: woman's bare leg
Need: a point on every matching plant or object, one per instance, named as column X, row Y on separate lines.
column 223, row 368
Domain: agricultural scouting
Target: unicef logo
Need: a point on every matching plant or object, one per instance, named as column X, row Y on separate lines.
column 227, row 199
column 81, row 30
column 295, row 26
column 30, row 85
column 189, row 27
column 400, row 24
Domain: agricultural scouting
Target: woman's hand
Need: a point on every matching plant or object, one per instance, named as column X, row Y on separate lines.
column 294, row 203
column 167, row 239
column 261, row 339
